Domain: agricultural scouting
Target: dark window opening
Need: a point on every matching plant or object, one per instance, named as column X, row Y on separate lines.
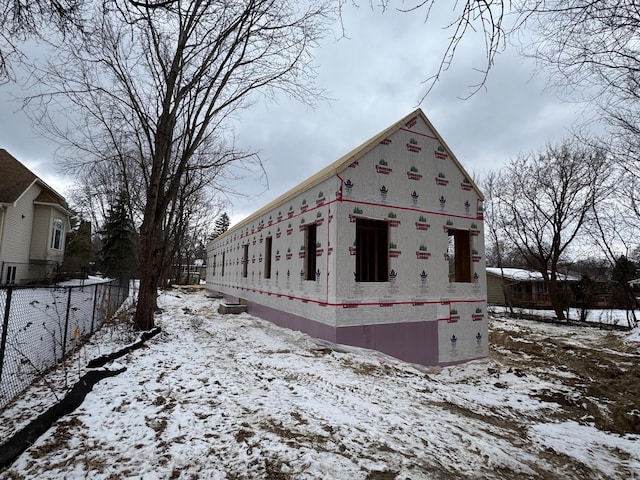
column 245, row 260
column 222, row 268
column 213, row 267
column 372, row 250
column 11, row 275
column 267, row 257
column 310, row 238
column 459, row 251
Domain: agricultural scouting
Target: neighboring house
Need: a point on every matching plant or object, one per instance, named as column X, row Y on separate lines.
column 33, row 222
column 519, row 287
column 635, row 285
column 189, row 274
column 382, row 249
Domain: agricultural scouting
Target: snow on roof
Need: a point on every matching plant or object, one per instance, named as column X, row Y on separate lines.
column 522, row 275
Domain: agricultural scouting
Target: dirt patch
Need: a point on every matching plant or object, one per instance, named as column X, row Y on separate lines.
column 603, row 375
column 366, row 369
column 243, row 435
column 383, row 475
column 273, row 470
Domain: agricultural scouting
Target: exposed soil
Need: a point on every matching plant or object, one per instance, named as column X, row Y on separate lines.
column 604, row 376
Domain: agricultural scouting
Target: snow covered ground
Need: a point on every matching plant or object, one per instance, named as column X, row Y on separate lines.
column 594, row 315
column 235, row 397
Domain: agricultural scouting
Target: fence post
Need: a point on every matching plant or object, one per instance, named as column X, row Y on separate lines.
column 66, row 324
column 95, row 301
column 5, row 328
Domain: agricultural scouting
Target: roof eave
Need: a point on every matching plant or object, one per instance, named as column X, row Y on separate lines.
column 54, row 205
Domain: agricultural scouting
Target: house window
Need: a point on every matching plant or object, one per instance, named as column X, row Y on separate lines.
column 372, row 250
column 310, row 237
column 245, row 260
column 213, row 267
column 459, row 251
column 57, row 235
column 222, row 267
column 267, row 257
column 11, row 275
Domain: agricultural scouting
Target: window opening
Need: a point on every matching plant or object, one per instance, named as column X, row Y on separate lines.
column 213, row 267
column 57, row 234
column 222, row 267
column 310, row 238
column 372, row 250
column 459, row 251
column 11, row 275
column 245, row 260
column 267, row 257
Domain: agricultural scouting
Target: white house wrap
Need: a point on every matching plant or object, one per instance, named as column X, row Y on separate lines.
column 382, row 249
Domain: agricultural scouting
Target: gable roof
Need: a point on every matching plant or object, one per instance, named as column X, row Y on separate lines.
column 347, row 159
column 16, row 179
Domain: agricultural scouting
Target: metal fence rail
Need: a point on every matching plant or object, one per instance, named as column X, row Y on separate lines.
column 40, row 325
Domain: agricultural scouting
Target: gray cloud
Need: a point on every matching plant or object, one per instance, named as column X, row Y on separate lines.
column 374, row 77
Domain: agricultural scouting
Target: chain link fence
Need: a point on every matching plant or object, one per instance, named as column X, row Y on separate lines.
column 40, row 325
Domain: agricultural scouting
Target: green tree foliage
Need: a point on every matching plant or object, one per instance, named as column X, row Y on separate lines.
column 221, row 226
column 118, row 257
column 78, row 252
column 624, row 271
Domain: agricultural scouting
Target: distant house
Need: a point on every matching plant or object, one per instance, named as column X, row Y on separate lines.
column 191, row 274
column 381, row 249
column 525, row 288
column 635, row 284
column 33, row 223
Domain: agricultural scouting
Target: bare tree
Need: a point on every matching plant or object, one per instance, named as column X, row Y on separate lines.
column 547, row 201
column 591, row 50
column 161, row 84
column 591, row 47
column 189, row 222
column 99, row 183
column 615, row 232
column 21, row 20
column 493, row 185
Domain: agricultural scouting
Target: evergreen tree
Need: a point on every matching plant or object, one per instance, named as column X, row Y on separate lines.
column 221, row 225
column 78, row 251
column 623, row 270
column 118, row 255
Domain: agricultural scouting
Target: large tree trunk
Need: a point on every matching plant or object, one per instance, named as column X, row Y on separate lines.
column 556, row 300
column 149, row 272
column 151, row 250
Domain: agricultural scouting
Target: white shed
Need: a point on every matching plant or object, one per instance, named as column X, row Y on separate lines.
column 383, row 249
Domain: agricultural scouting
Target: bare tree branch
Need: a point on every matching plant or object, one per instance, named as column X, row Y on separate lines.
column 152, row 90
column 546, row 201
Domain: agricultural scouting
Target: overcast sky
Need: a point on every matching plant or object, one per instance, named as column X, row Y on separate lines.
column 374, row 77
